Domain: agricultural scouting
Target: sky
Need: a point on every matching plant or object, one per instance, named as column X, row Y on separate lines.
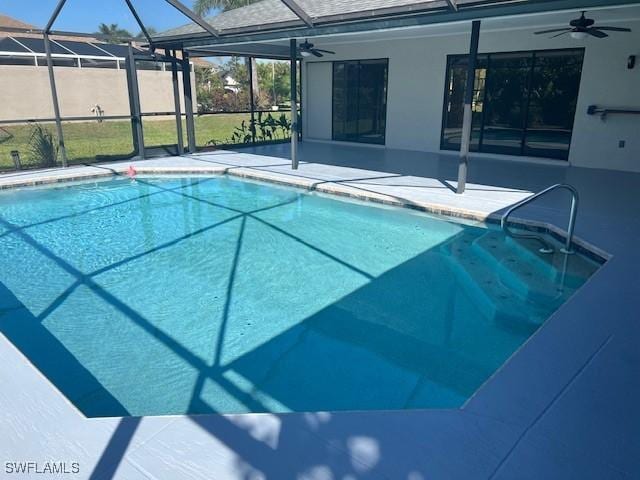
column 85, row 15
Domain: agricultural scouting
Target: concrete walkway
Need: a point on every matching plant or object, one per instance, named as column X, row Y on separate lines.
column 564, row 406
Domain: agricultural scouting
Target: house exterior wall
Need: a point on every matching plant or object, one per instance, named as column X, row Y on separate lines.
column 25, row 92
column 417, row 68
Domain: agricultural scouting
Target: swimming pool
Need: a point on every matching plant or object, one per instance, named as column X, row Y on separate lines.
column 197, row 295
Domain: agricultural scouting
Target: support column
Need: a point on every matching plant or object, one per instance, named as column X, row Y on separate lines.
column 176, row 98
column 300, row 82
column 252, row 102
column 134, row 103
column 293, row 50
column 465, row 141
column 188, row 102
column 54, row 97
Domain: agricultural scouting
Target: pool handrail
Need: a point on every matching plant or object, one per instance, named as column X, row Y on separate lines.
column 547, row 246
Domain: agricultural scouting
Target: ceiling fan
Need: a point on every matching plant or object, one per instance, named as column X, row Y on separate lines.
column 582, row 27
column 307, row 49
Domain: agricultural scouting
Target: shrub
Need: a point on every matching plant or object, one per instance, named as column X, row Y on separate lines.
column 265, row 128
column 42, row 146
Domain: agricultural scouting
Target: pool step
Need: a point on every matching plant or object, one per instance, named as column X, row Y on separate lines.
column 481, row 281
column 524, row 269
column 517, row 267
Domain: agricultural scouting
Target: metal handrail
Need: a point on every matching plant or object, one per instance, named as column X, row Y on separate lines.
column 547, row 247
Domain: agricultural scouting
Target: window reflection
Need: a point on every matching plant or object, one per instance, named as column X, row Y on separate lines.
column 359, row 100
column 523, row 102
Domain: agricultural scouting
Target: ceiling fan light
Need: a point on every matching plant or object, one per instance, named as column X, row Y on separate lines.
column 578, row 35
column 305, row 53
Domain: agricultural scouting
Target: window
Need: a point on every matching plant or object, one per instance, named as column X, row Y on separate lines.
column 360, row 100
column 524, row 103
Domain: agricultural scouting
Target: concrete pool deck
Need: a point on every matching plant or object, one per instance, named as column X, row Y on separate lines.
column 564, row 406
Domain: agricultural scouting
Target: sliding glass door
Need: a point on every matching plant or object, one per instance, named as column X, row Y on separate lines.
column 555, row 80
column 524, row 102
column 360, row 100
column 507, row 93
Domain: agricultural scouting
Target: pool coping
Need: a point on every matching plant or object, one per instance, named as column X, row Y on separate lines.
column 582, row 246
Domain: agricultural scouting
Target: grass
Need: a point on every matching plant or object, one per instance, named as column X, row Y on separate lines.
column 91, row 141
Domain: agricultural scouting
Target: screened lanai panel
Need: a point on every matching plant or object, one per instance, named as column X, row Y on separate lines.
column 263, row 13
column 37, row 45
column 524, row 103
column 9, row 45
column 269, row 14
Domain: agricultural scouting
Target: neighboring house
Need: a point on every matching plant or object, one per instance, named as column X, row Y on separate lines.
column 209, row 72
column 231, row 85
column 398, row 74
column 91, row 77
column 9, row 22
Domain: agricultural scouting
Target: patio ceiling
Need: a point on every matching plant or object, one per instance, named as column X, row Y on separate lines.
column 269, row 22
column 257, row 50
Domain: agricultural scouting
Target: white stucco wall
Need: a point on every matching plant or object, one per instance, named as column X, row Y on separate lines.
column 416, row 87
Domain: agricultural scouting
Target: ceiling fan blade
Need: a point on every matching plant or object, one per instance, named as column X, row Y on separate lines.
column 596, row 33
column 552, row 30
column 325, row 51
column 316, row 53
column 563, row 33
column 613, row 29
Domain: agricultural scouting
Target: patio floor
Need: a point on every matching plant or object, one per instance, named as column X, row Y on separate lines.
column 565, row 406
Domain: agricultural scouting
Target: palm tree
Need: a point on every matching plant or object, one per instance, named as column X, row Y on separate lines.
column 202, row 7
column 113, row 33
column 150, row 30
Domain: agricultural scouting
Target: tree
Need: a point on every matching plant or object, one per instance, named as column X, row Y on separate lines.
column 113, row 33
column 274, row 80
column 150, row 30
column 202, row 7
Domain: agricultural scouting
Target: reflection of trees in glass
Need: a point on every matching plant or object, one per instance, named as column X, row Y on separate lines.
column 455, row 101
column 507, row 91
column 359, row 100
column 526, row 105
column 554, row 90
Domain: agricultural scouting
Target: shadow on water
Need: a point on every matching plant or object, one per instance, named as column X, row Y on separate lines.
column 50, row 356
column 386, row 360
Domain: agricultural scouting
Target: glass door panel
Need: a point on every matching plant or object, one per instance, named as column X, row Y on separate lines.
column 506, row 101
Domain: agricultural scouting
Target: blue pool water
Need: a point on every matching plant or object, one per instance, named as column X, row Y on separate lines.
column 195, row 295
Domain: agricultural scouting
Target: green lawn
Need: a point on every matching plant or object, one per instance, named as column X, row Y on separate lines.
column 89, row 141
